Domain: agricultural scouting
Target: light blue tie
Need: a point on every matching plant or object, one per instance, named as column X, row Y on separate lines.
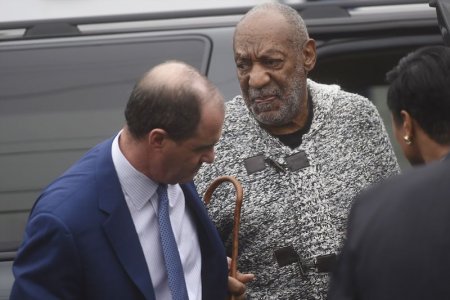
column 172, row 259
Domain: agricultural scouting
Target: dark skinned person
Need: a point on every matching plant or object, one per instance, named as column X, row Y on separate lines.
column 420, row 104
column 301, row 150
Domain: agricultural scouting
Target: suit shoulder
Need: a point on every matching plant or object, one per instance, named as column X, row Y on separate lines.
column 411, row 184
column 75, row 189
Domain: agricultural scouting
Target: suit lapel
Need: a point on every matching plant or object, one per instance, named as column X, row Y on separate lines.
column 119, row 227
column 120, row 231
column 214, row 265
column 204, row 226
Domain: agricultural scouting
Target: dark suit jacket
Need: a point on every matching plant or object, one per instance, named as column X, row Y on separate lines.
column 398, row 243
column 80, row 241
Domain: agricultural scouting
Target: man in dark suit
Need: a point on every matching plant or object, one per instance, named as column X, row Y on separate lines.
column 94, row 232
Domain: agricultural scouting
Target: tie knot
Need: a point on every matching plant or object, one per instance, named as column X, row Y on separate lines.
column 162, row 188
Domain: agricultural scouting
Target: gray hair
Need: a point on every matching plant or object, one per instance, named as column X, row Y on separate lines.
column 290, row 14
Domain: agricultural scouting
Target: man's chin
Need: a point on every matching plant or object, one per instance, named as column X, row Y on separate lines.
column 190, row 178
column 267, row 118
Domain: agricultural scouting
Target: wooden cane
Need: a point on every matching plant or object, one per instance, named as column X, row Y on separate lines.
column 237, row 215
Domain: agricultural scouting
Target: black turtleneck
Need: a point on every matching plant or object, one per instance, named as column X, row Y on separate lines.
column 293, row 140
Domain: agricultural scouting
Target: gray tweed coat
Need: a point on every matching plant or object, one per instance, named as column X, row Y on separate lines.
column 347, row 148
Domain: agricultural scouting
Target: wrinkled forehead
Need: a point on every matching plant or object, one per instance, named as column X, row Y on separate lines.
column 263, row 42
column 266, row 27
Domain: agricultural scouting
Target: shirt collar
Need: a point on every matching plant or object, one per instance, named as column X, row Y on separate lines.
column 137, row 187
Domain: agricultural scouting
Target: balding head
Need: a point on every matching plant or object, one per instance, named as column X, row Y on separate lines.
column 270, row 14
column 172, row 74
column 170, row 96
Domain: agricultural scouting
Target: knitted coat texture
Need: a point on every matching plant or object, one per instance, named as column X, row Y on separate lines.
column 347, row 148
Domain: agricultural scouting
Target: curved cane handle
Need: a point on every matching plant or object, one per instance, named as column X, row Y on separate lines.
column 237, row 215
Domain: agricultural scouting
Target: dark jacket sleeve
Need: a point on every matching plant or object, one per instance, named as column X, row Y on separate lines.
column 47, row 265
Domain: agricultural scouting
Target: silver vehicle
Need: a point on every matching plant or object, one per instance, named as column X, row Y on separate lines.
column 67, row 68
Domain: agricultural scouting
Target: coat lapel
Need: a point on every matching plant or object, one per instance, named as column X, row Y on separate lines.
column 119, row 227
column 214, row 264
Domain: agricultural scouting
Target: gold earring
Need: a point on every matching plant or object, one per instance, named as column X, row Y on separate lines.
column 407, row 140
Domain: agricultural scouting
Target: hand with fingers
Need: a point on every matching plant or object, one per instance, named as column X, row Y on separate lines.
column 237, row 286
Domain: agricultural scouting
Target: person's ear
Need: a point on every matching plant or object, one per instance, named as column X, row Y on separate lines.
column 407, row 124
column 309, row 54
column 157, row 138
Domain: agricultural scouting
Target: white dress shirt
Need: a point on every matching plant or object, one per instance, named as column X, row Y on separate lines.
column 142, row 200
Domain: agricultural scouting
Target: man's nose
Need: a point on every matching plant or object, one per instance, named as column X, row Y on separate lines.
column 258, row 77
column 209, row 156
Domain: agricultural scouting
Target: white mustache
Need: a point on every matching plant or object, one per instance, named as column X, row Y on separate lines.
column 264, row 92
